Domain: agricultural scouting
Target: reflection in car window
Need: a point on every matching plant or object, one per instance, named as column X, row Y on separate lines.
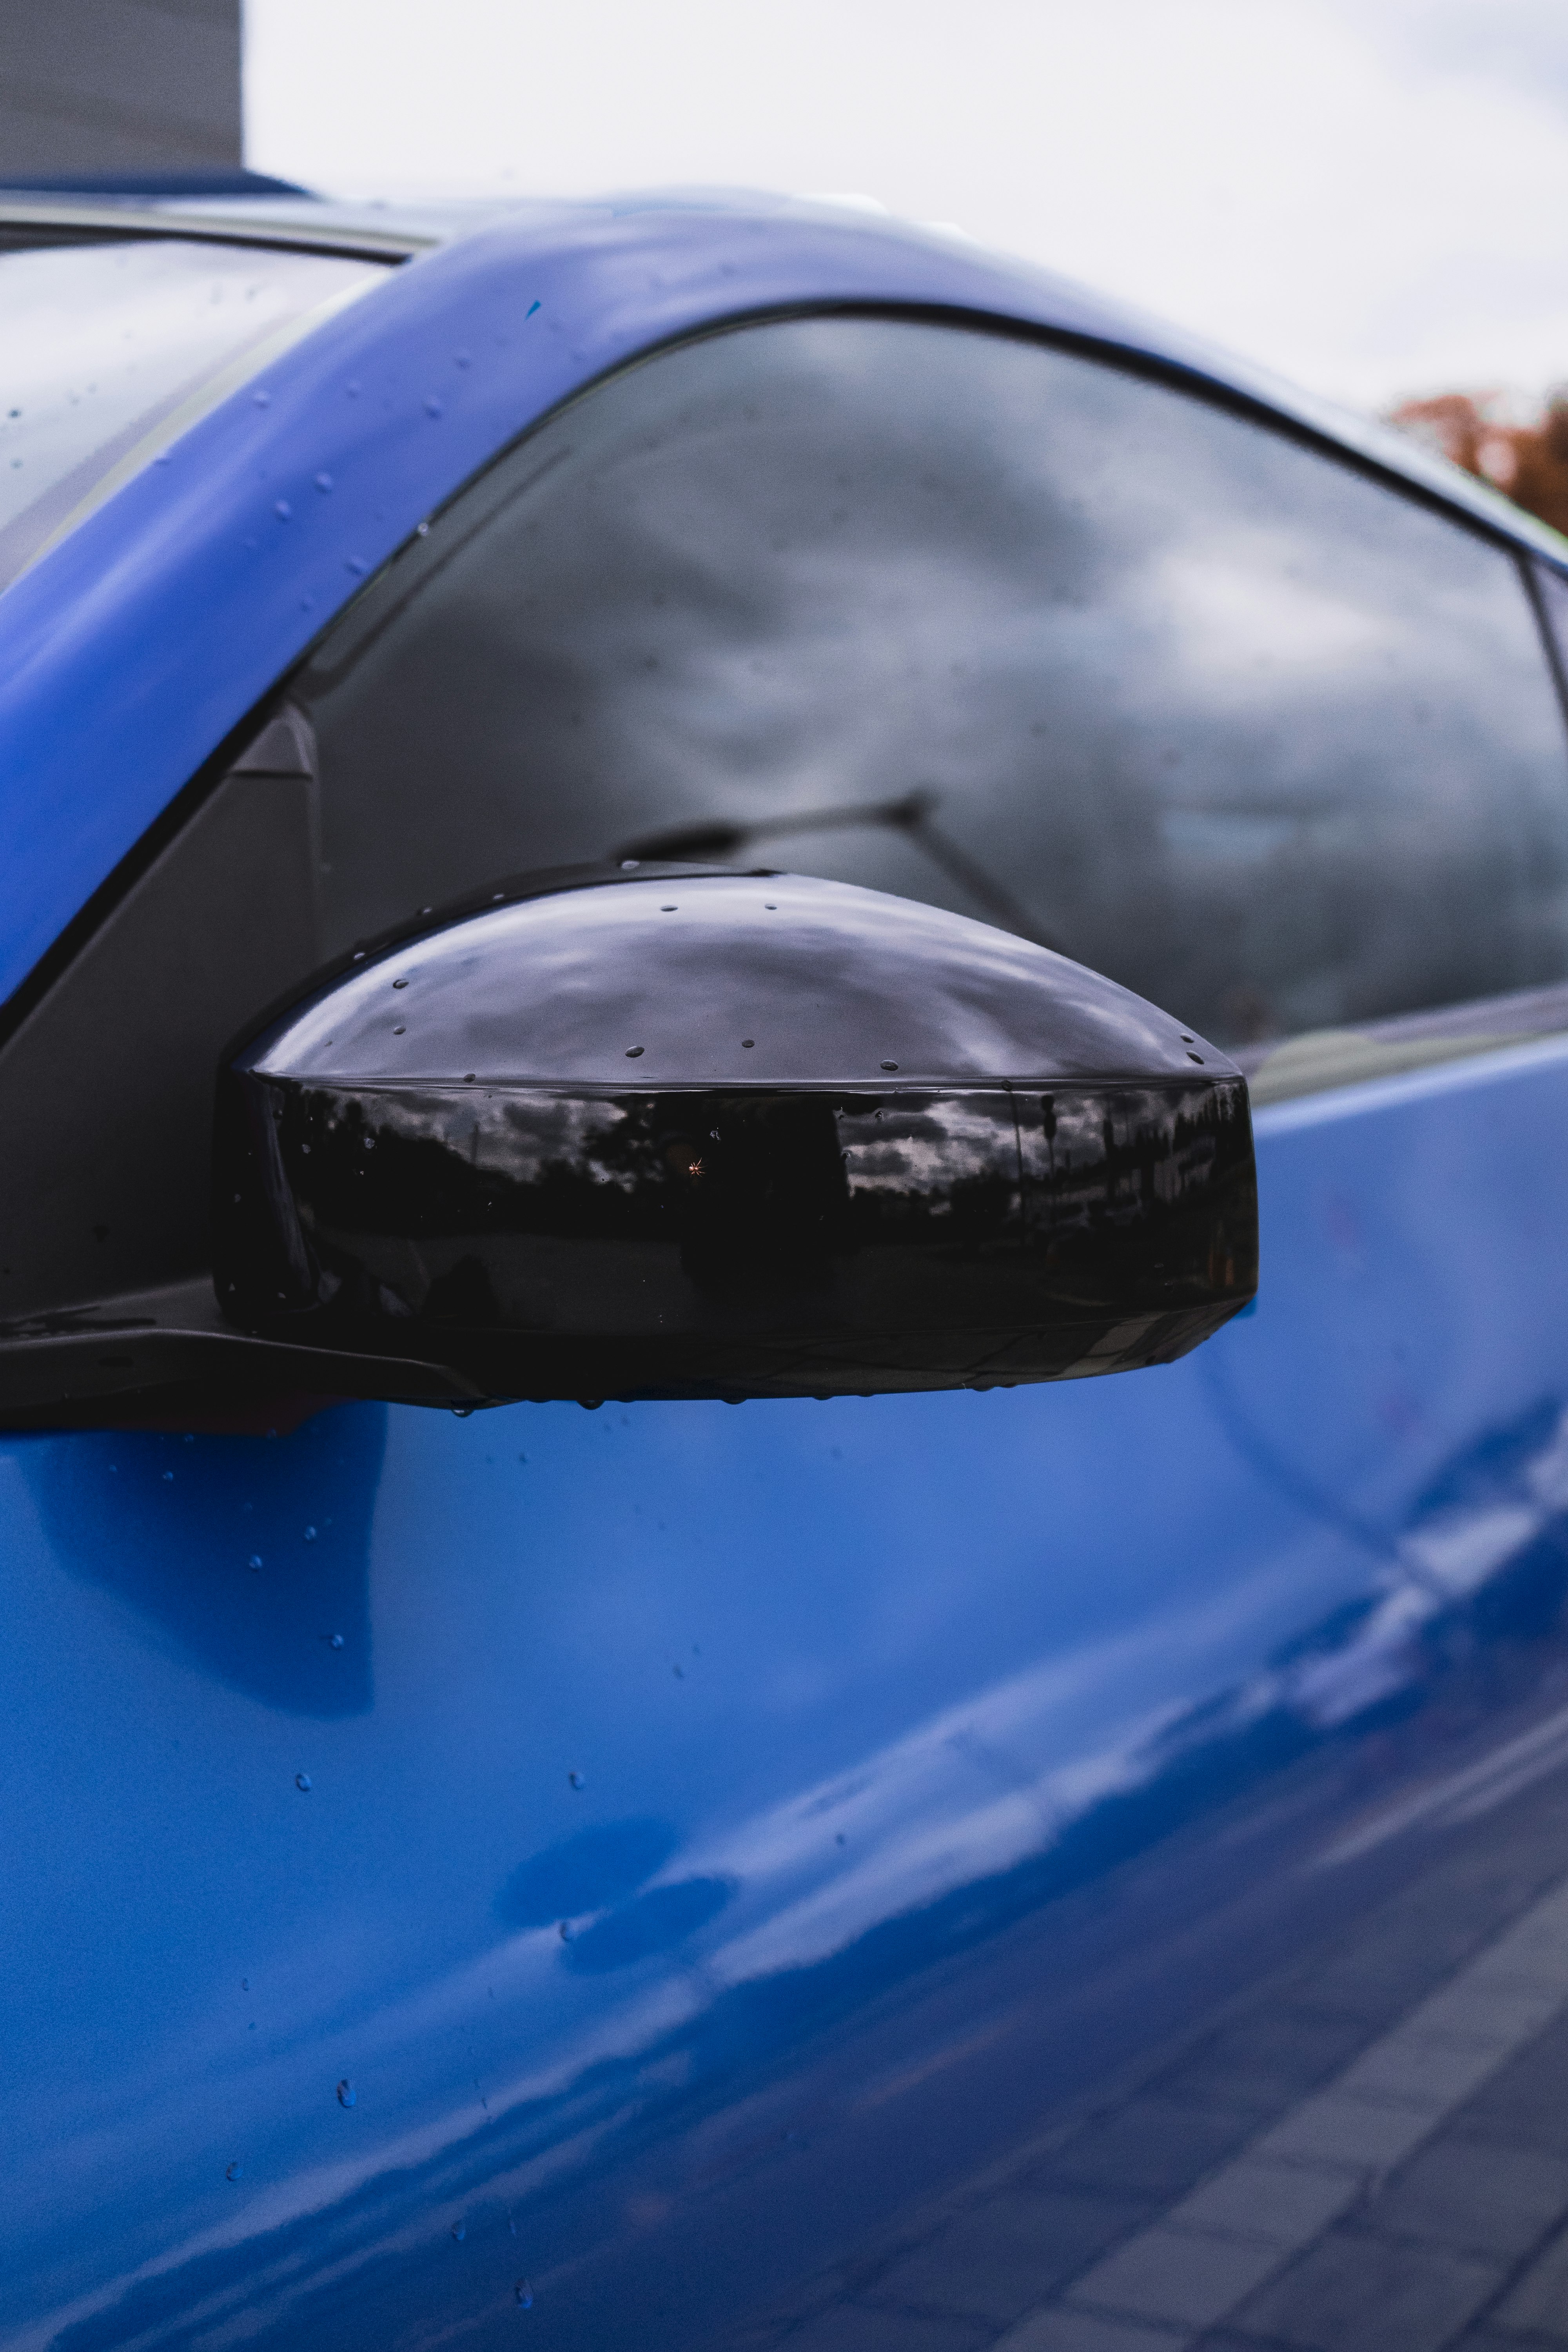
column 983, row 621
column 111, row 349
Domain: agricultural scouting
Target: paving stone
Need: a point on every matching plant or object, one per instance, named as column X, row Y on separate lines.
column 1538, row 2302
column 1179, row 2277
column 1490, row 2004
column 1525, row 2104
column 1006, row 2255
column 1257, row 2196
column 1266, row 2062
column 1416, row 2069
column 1331, row 2128
column 1353, row 2292
column 1151, row 2146
column 851, row 2327
column 1082, row 2331
column 1474, row 2196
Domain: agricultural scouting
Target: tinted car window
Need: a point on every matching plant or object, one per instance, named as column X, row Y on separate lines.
column 983, row 621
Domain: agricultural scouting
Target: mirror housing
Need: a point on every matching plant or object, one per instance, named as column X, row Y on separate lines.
column 667, row 1132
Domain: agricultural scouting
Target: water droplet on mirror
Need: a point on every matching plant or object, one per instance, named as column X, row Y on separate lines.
column 1198, row 1058
column 234, row 2172
column 633, row 1052
column 630, row 865
column 302, row 1782
column 523, row 2292
column 890, row 1066
column 400, row 1031
column 400, row 984
column 669, row 910
column 462, row 1411
column 347, row 2095
column 747, row 1041
column 370, row 1143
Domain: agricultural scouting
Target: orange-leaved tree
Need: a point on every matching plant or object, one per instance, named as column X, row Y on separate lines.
column 1528, row 462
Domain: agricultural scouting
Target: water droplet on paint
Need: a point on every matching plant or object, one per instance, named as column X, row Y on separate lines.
column 255, row 1560
column 633, row 1052
column 234, row 2172
column 523, row 2292
column 347, row 2095
column 302, row 1782
column 309, row 1535
column 459, row 2231
column 748, row 1042
column 575, row 1778
column 433, row 407
column 323, row 482
column 282, row 509
column 890, row 1066
column 262, row 399
column 337, row 1641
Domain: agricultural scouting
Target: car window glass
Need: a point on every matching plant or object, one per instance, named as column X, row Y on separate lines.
column 984, row 622
column 112, row 347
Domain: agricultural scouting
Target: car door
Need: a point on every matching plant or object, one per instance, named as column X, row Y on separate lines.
column 1066, row 1866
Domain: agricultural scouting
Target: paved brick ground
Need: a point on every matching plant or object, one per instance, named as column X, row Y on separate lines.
column 1368, row 2154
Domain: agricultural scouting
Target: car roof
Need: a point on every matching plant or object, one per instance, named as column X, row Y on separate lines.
column 245, row 208
column 141, row 647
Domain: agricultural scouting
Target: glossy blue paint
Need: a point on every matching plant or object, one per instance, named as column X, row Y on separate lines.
column 139, row 643
column 897, row 1769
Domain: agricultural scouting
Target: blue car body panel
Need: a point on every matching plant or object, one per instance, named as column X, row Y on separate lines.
column 596, row 1873
column 716, row 1831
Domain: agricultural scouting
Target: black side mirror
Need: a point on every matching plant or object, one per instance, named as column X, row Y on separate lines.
column 678, row 1133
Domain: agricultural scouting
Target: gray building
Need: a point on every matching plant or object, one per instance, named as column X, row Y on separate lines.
column 92, row 88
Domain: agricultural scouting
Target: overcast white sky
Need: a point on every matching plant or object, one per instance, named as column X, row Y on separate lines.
column 1371, row 195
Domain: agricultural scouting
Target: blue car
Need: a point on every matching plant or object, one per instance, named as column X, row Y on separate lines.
column 699, row 801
